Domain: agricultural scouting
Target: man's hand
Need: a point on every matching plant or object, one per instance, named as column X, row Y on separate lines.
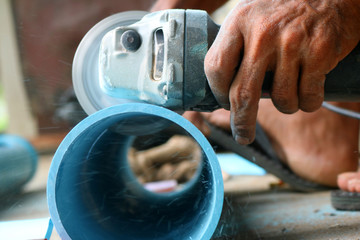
column 300, row 41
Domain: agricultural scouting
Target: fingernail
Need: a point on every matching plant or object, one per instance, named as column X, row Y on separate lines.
column 242, row 140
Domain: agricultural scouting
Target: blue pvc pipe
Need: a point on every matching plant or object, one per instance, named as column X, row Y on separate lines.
column 93, row 194
column 18, row 163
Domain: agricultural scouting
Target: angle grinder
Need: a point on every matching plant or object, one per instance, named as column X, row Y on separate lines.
column 158, row 58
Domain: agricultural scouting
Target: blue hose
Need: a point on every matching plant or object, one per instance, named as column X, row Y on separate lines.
column 93, row 194
column 18, row 163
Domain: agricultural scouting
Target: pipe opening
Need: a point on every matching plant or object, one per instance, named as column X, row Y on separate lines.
column 93, row 192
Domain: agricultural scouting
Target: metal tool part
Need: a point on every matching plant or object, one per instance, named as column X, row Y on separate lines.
column 165, row 48
column 93, row 193
column 160, row 60
column 85, row 70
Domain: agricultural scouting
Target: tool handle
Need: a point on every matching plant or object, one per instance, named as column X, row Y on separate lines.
column 341, row 84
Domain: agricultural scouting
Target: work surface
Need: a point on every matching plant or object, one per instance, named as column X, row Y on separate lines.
column 252, row 210
column 285, row 215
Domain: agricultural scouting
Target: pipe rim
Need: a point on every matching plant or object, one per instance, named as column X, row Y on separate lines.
column 127, row 108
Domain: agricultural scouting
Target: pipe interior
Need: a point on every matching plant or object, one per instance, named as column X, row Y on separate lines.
column 98, row 197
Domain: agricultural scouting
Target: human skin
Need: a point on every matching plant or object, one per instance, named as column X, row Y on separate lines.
column 316, row 146
column 349, row 181
column 300, row 41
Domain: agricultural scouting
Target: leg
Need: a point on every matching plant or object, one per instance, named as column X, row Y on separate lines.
column 316, row 146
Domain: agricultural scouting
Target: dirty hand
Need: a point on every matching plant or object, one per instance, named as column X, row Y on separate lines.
column 300, row 41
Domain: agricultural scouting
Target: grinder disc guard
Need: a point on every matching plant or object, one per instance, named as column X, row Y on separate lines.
column 85, row 71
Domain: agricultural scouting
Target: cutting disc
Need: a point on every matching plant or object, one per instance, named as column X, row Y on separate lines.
column 85, row 72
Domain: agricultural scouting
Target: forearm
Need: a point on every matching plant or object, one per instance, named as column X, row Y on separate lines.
column 208, row 6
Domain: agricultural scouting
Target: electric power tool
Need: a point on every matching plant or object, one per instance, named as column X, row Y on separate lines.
column 158, row 58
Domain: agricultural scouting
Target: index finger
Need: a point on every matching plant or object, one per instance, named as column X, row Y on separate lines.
column 245, row 93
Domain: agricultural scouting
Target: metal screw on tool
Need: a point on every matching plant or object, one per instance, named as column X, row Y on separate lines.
column 131, row 40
